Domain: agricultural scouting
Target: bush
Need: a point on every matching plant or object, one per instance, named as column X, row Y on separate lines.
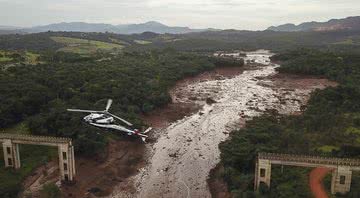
column 50, row 191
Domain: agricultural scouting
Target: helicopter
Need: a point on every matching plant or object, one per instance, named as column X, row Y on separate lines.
column 105, row 119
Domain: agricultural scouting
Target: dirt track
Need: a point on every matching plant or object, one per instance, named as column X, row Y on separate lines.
column 316, row 182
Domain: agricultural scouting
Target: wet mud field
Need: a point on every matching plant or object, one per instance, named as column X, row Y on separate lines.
column 205, row 109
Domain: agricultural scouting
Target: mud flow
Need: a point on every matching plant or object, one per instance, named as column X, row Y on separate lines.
column 204, row 111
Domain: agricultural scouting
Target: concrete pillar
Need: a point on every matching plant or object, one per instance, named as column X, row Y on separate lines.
column 262, row 173
column 66, row 162
column 11, row 154
column 341, row 180
column 16, row 155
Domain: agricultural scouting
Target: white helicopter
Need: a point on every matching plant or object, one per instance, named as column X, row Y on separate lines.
column 105, row 119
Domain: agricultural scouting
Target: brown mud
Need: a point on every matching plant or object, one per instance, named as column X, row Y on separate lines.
column 186, row 150
column 97, row 176
column 132, row 169
column 179, row 106
column 290, row 82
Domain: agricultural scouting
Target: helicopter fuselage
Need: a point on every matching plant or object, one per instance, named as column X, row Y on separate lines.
column 99, row 118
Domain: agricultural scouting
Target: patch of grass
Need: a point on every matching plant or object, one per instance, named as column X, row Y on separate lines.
column 25, row 57
column 348, row 41
column 4, row 57
column 328, row 149
column 119, row 41
column 142, row 42
column 84, row 46
column 32, row 58
column 50, row 190
column 20, row 128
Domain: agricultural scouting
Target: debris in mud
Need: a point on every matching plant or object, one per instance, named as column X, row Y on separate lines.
column 173, row 155
column 210, row 101
column 95, row 190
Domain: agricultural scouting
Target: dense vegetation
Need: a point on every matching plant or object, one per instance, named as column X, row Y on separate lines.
column 329, row 126
column 38, row 96
column 137, row 82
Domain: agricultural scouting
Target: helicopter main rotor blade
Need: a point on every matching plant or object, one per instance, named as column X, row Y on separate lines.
column 147, row 130
column 108, row 105
column 86, row 111
column 117, row 117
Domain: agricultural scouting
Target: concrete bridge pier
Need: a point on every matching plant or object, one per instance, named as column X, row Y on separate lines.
column 341, row 180
column 11, row 154
column 66, row 162
column 262, row 173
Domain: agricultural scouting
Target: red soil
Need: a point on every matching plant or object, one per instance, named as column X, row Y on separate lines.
column 316, row 177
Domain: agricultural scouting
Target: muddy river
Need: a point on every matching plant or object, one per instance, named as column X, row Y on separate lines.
column 185, row 150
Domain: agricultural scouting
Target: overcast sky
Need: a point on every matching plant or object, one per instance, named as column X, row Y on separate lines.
column 237, row 14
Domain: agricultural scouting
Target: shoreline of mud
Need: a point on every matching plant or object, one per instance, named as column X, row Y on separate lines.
column 217, row 186
column 185, row 151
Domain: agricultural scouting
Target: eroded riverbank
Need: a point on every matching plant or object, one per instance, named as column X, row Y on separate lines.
column 186, row 150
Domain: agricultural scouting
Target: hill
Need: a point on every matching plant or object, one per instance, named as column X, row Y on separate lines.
column 349, row 23
column 151, row 26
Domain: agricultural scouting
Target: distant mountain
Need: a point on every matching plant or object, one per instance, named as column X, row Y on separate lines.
column 349, row 23
column 4, row 27
column 151, row 26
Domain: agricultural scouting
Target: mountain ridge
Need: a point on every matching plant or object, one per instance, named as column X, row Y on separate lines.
column 150, row 26
column 349, row 23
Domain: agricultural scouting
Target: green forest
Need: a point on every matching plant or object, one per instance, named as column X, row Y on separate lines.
column 330, row 126
column 38, row 96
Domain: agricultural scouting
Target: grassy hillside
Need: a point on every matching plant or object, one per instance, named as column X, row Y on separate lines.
column 84, row 46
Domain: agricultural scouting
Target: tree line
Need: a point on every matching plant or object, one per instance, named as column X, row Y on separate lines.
column 329, row 126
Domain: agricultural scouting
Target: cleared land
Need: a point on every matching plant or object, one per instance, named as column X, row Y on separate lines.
column 16, row 57
column 84, row 46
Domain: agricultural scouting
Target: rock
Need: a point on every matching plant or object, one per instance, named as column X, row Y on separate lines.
column 174, row 155
column 210, row 101
column 94, row 190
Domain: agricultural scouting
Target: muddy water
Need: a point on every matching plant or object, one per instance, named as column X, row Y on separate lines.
column 180, row 160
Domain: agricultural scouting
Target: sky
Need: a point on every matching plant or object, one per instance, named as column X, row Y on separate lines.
column 223, row 14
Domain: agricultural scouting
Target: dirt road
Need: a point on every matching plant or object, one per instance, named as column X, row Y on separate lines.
column 316, row 182
column 180, row 160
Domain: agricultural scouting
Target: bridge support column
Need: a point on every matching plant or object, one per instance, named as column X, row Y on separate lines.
column 11, row 154
column 66, row 162
column 341, row 180
column 262, row 173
